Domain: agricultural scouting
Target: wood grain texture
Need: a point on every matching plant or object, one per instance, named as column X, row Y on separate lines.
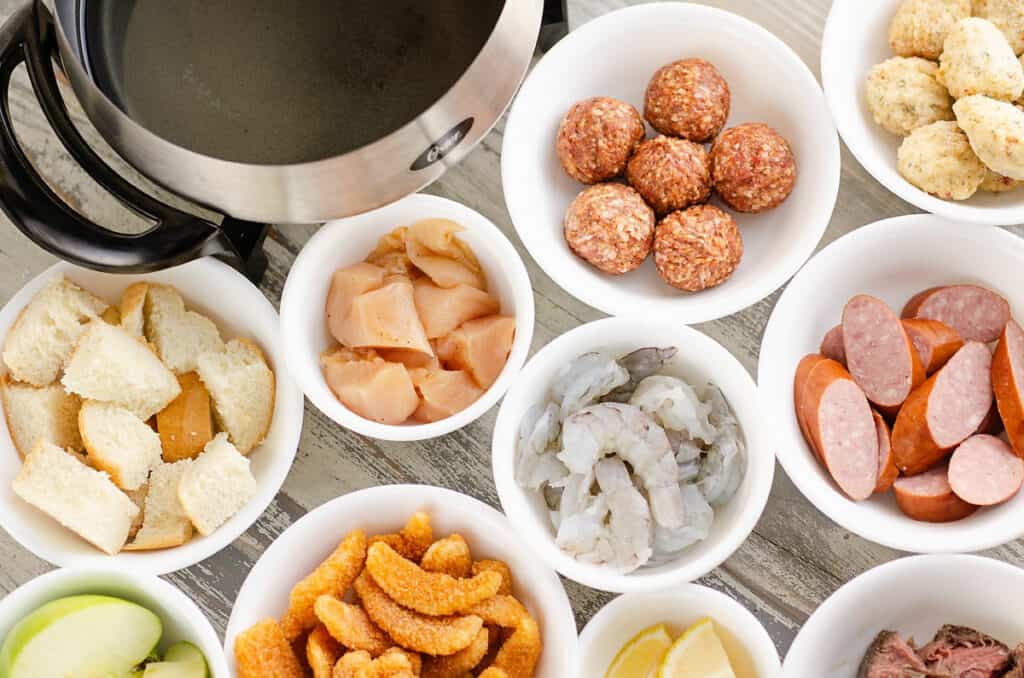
column 795, row 558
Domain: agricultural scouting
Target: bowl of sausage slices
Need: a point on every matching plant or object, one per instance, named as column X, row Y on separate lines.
column 894, row 367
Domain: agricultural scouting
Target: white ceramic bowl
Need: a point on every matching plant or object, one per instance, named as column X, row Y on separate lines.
column 891, row 259
column 914, row 596
column 348, row 241
column 182, row 619
column 385, row 509
column 700, row 359
column 240, row 310
column 856, row 38
column 751, row 650
column 615, row 56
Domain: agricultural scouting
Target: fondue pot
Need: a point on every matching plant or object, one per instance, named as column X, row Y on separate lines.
column 265, row 111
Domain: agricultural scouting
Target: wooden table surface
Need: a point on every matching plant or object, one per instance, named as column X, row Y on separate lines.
column 795, row 557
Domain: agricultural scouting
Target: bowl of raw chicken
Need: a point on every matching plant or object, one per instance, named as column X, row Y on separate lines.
column 631, row 454
column 407, row 322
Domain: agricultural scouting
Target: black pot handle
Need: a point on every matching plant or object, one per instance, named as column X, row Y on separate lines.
column 177, row 237
column 555, row 25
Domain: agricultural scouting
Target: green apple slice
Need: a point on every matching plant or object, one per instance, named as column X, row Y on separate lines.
column 80, row 637
column 182, row 660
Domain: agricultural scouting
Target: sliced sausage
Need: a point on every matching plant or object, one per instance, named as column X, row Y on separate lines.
column 929, row 497
column 803, row 369
column 879, row 353
column 991, row 424
column 976, row 313
column 984, row 471
column 944, row 411
column 887, row 471
column 934, row 341
column 1008, row 383
column 832, row 345
column 842, row 428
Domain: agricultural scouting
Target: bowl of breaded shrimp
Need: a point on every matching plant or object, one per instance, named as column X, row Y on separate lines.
column 397, row 580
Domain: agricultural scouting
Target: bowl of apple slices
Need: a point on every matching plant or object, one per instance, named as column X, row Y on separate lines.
column 100, row 623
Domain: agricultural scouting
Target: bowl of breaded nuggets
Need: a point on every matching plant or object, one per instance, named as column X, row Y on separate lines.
column 401, row 580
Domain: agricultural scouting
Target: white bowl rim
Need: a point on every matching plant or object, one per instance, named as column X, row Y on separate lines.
column 823, row 496
column 515, row 269
column 36, row 588
column 832, row 61
column 757, row 434
column 714, row 599
column 740, row 300
column 289, row 418
column 560, row 611
column 867, row 581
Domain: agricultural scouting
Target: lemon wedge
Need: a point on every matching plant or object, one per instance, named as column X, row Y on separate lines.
column 639, row 658
column 697, row 654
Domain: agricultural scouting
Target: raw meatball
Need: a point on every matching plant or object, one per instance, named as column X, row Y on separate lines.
column 610, row 227
column 1008, row 17
column 919, row 27
column 697, row 248
column 904, row 93
column 997, row 183
column 978, row 60
column 670, row 173
column 688, row 99
column 937, row 158
column 752, row 167
column 596, row 138
column 996, row 131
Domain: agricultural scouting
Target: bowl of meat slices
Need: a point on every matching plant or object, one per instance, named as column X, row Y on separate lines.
column 893, row 367
column 631, row 454
column 931, row 615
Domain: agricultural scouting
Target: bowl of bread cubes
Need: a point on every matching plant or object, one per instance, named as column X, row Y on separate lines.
column 146, row 418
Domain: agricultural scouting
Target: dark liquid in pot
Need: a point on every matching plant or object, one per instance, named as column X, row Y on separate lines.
column 281, row 81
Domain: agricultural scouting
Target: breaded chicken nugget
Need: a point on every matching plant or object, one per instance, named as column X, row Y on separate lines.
column 449, row 556
column 263, row 652
column 1008, row 16
column 430, row 593
column 939, row 159
column 501, row 568
column 995, row 129
column 978, row 60
column 494, row 672
column 519, row 654
column 333, row 577
column 414, row 539
column 431, row 635
column 352, row 664
column 322, row 652
column 462, row 662
column 349, row 625
column 919, row 27
column 904, row 93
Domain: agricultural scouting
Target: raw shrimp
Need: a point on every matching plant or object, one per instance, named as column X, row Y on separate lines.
column 689, row 457
column 696, row 527
column 585, row 380
column 675, row 405
column 626, row 431
column 640, row 364
column 725, row 463
column 630, row 517
column 537, row 466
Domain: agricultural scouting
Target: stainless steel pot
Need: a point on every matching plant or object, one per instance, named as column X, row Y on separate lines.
column 374, row 174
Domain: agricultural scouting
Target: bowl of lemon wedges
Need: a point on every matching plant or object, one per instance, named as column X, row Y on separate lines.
column 691, row 632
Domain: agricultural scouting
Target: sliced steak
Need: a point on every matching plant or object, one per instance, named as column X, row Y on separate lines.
column 890, row 656
column 960, row 652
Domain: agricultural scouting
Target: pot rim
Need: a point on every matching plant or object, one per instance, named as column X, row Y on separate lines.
column 342, row 185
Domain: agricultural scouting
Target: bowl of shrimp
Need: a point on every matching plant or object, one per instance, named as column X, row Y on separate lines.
column 434, row 346
column 631, row 454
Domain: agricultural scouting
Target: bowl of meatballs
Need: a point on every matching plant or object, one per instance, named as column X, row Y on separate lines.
column 927, row 94
column 651, row 167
